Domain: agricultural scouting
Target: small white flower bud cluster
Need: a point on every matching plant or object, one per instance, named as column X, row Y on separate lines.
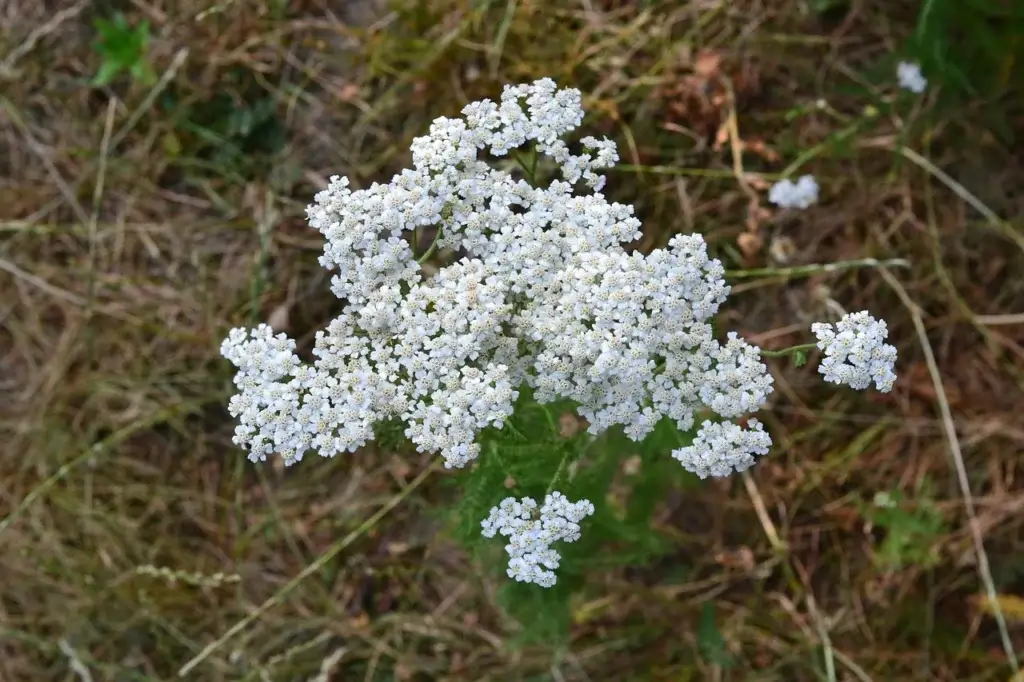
column 547, row 295
column 723, row 447
column 856, row 353
column 910, row 77
column 531, row 532
column 800, row 194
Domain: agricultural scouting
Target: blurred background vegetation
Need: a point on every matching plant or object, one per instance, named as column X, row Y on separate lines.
column 156, row 158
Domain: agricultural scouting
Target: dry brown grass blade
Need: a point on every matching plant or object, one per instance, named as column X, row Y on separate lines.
column 1000, row 320
column 309, row 570
column 98, row 450
column 984, row 570
column 41, row 283
column 994, row 221
column 59, row 18
column 762, row 513
column 37, row 148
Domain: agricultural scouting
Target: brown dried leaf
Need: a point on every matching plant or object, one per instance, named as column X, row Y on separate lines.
column 758, row 147
column 396, row 548
column 757, row 182
column 278, row 318
column 757, row 215
column 360, row 621
column 708, row 64
column 568, row 425
column 349, row 92
column 742, row 558
column 750, row 243
column 722, row 136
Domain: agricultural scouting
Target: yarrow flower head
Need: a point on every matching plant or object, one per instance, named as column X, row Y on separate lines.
column 531, row 532
column 910, row 77
column 855, row 352
column 800, row 194
column 546, row 295
column 722, row 448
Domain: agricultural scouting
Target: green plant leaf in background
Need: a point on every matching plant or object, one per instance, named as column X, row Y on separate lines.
column 233, row 133
column 972, row 46
column 122, row 48
column 709, row 638
column 911, row 530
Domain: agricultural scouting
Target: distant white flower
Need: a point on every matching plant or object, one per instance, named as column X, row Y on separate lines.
column 855, row 352
column 800, row 194
column 531, row 532
column 910, row 77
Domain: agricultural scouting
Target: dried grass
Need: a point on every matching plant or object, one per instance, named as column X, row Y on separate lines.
column 128, row 248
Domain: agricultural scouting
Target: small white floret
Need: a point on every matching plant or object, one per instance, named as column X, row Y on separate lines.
column 910, row 77
column 530, row 533
column 722, row 448
column 855, row 352
column 800, row 194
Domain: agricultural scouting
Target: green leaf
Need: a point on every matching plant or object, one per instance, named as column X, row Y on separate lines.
column 143, row 72
column 122, row 47
column 545, row 614
column 103, row 27
column 106, row 73
column 911, row 531
column 825, row 6
column 171, row 145
column 709, row 638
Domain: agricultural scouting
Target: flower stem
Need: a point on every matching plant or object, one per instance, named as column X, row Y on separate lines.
column 558, row 472
column 433, row 247
column 788, row 351
column 816, row 268
column 529, row 169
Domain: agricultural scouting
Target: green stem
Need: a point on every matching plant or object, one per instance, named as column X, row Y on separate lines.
column 591, row 440
column 690, row 172
column 529, row 169
column 846, row 133
column 817, row 268
column 558, row 472
column 433, row 247
column 788, row 351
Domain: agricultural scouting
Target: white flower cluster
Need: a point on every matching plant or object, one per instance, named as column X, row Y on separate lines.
column 546, row 295
column 856, row 352
column 721, row 448
column 530, row 534
column 910, row 77
column 800, row 194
